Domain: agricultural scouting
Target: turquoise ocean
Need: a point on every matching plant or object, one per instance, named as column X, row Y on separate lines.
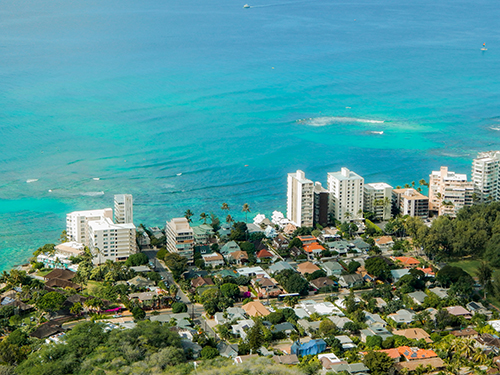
column 189, row 104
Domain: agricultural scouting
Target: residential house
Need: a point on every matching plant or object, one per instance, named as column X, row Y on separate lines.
column 140, row 282
column 141, row 269
column 351, row 281
column 192, row 347
column 381, row 304
column 399, row 273
column 341, row 247
column 307, row 268
column 244, row 358
column 238, row 257
column 466, row 332
column 459, row 311
column 241, row 327
column 418, row 297
column 252, row 271
column 289, row 229
column 201, row 281
column 254, row 228
column 375, row 329
column 428, row 271
column 227, row 350
column 322, row 282
column 347, row 343
column 478, row 308
column 402, row 316
column 384, row 243
column 280, row 242
column 328, row 359
column 295, row 251
column 270, row 232
column 350, row 368
column 313, row 250
column 213, row 259
column 231, row 314
column 321, row 308
column 286, row 328
column 332, row 268
column 409, row 262
column 361, row 245
column 280, row 266
column 229, row 247
column 143, row 297
column 440, row 292
column 255, row 308
column 266, row 287
column 307, row 240
column 309, row 326
column 60, row 274
column 264, row 255
column 413, row 334
column 339, row 321
column 373, row 319
column 312, row 347
column 411, row 354
column 435, row 363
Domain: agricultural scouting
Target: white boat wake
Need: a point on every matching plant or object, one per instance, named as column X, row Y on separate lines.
column 330, row 120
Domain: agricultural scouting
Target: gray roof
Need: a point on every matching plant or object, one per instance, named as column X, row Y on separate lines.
column 282, row 327
column 333, row 266
column 374, row 318
column 230, row 247
column 397, row 274
column 339, row 321
column 418, row 296
column 280, row 266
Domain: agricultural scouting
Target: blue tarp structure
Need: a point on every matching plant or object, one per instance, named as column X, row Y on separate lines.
column 312, row 347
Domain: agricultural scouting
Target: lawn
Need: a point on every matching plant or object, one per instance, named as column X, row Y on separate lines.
column 92, row 287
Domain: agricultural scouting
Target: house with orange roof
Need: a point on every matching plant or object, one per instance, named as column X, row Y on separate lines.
column 313, row 250
column 392, row 353
column 408, row 261
column 263, row 255
column 384, row 243
column 255, row 308
column 307, row 267
column 427, row 271
column 307, row 240
column 416, row 353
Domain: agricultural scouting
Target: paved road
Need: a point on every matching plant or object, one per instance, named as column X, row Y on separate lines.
column 193, row 308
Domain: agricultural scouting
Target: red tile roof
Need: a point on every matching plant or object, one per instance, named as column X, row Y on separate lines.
column 264, row 254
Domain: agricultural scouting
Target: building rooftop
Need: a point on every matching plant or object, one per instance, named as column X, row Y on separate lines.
column 379, row 185
column 410, row 194
column 345, row 174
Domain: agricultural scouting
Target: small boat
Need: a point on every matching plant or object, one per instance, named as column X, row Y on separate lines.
column 246, row 6
column 179, row 174
column 380, row 132
column 484, row 47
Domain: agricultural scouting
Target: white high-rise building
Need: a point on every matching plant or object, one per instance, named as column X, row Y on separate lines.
column 180, row 238
column 76, row 223
column 449, row 192
column 124, row 209
column 410, row 202
column 378, row 199
column 300, row 200
column 485, row 175
column 109, row 241
column 346, row 195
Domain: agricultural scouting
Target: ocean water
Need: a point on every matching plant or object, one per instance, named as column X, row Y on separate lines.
column 189, row 104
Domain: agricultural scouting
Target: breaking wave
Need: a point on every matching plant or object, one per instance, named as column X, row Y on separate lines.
column 31, row 180
column 330, row 120
column 93, row 193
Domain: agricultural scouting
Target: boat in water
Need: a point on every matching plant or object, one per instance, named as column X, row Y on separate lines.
column 484, row 47
column 246, row 6
column 375, row 132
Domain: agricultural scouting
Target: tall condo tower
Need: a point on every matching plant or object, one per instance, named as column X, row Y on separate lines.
column 485, row 174
column 124, row 209
column 300, row 200
column 346, row 195
column 449, row 192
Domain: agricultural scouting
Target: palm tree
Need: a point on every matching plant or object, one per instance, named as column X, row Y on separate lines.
column 229, row 219
column 407, row 186
column 188, row 215
column 225, row 207
column 422, row 182
column 204, row 217
column 413, row 183
column 246, row 210
column 347, row 215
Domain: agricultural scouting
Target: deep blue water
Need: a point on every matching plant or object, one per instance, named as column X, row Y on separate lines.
column 135, row 92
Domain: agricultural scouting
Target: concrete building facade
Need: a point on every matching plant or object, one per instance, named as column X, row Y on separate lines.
column 378, row 199
column 124, row 209
column 300, row 200
column 76, row 223
column 485, row 175
column 346, row 195
column 411, row 202
column 180, row 238
column 110, row 241
column 449, row 192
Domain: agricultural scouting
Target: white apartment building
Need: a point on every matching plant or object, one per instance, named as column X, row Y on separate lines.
column 378, row 199
column 110, row 241
column 346, row 195
column 485, row 175
column 300, row 200
column 411, row 202
column 180, row 238
column 76, row 223
column 449, row 192
column 124, row 209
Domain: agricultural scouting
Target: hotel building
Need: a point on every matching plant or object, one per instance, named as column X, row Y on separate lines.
column 485, row 175
column 346, row 195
